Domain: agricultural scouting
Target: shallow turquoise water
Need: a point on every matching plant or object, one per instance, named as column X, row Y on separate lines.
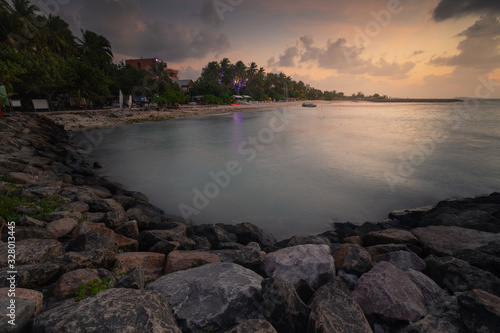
column 296, row 170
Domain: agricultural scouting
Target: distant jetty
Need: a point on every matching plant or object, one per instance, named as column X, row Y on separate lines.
column 415, row 100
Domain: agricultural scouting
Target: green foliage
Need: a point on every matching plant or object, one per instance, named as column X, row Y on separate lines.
column 226, row 99
column 92, row 288
column 211, row 99
column 35, row 207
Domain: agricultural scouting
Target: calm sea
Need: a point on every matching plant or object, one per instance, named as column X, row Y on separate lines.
column 294, row 170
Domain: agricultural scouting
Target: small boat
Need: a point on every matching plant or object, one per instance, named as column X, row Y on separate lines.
column 308, row 105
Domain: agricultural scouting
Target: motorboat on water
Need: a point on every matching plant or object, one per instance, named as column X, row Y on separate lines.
column 308, row 105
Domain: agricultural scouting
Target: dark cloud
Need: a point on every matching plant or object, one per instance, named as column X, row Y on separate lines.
column 480, row 49
column 209, row 14
column 125, row 25
column 447, row 9
column 417, row 52
column 287, row 59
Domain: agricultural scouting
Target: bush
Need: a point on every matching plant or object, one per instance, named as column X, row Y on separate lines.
column 211, row 99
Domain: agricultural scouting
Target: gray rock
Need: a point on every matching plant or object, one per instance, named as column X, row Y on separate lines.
column 457, row 275
column 375, row 250
column 67, row 285
column 310, row 239
column 134, row 279
column 334, row 311
column 282, row 307
column 129, row 229
column 404, row 260
column 353, row 259
column 250, row 257
column 312, row 263
column 146, row 215
column 27, row 221
column 443, row 240
column 112, row 310
column 44, row 191
column 32, row 233
column 23, row 315
column 388, row 291
column 434, row 295
column 92, row 241
column 212, row 297
column 99, row 258
column 480, row 311
column 215, row 234
column 178, row 233
column 484, row 261
column 253, row 326
column 62, row 227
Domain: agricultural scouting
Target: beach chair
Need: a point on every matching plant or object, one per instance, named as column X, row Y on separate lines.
column 40, row 104
column 15, row 103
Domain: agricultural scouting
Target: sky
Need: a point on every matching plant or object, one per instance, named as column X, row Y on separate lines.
column 399, row 48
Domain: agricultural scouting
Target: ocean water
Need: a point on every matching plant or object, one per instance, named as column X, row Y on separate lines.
column 294, row 170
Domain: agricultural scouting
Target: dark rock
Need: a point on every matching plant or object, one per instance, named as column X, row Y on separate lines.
column 344, row 230
column 352, row 259
column 254, row 326
column 442, row 240
column 134, row 279
column 104, row 273
column 434, row 295
column 44, row 191
column 334, row 311
column 283, row 307
column 376, row 250
column 312, row 263
column 457, row 275
column 479, row 220
column 493, row 248
column 390, row 236
column 33, row 233
column 165, row 247
column 125, row 244
column 480, row 260
column 92, row 241
column 33, row 252
column 129, row 229
column 247, row 232
column 31, row 276
column 215, row 234
column 331, row 235
column 27, row 221
column 62, row 227
column 202, row 243
column 437, row 323
column 178, row 233
column 404, row 260
column 113, row 310
column 303, row 240
column 76, row 206
column 126, row 201
column 212, row 297
column 24, row 313
column 250, row 257
column 305, row 291
column 349, row 280
column 99, row 258
column 480, row 311
column 388, row 291
column 148, row 217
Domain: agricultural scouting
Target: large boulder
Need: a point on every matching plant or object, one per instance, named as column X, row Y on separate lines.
column 352, row 259
column 146, row 215
column 215, row 234
column 19, row 318
column 444, row 240
column 283, row 307
column 113, row 310
column 480, row 260
column 434, row 295
column 480, row 311
column 334, row 311
column 176, row 233
column 247, row 232
column 388, row 291
column 62, row 227
column 457, row 275
column 212, row 297
column 312, row 263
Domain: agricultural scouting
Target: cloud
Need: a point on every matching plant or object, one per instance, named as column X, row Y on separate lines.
column 447, row 9
column 339, row 56
column 480, row 49
column 130, row 32
column 417, row 52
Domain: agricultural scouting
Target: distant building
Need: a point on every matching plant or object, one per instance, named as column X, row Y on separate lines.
column 149, row 63
column 185, row 85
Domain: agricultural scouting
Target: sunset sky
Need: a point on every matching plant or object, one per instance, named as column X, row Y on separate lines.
column 407, row 48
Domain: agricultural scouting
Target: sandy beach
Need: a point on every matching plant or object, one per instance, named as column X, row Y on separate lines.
column 87, row 119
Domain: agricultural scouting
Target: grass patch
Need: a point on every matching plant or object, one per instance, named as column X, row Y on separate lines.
column 35, row 207
column 92, row 288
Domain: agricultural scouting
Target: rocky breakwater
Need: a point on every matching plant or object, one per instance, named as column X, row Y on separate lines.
column 91, row 256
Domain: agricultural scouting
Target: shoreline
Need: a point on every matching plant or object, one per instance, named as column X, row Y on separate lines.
column 439, row 266
column 81, row 120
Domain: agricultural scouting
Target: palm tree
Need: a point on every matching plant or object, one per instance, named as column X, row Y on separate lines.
column 21, row 24
column 58, row 37
column 96, row 49
column 241, row 74
column 160, row 75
